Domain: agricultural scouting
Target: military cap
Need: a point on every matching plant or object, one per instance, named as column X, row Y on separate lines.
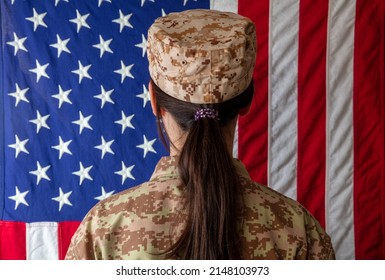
column 202, row 56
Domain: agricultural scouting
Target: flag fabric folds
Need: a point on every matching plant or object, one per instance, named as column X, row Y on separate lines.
column 316, row 127
column 76, row 124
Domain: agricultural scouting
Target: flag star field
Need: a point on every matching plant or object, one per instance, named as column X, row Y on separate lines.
column 78, row 126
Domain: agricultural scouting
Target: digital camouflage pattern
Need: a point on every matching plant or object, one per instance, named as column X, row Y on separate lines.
column 142, row 222
column 202, row 56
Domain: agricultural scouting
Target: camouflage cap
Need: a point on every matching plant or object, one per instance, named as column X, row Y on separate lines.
column 202, row 56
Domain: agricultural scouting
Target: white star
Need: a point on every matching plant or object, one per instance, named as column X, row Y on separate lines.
column 63, row 198
column 105, row 96
column 104, row 194
column 82, row 122
column 103, row 46
column 123, row 20
column 148, row 0
column 83, row 173
column 124, row 71
column 61, row 45
column 82, row 71
column 185, row 2
column 40, row 70
column 19, row 95
column 40, row 121
column 62, row 147
column 147, row 146
column 101, row 1
column 17, row 43
column 40, row 172
column 105, row 147
column 142, row 45
column 145, row 96
column 37, row 19
column 80, row 21
column 125, row 172
column 125, row 122
column 12, row 1
column 19, row 198
column 19, row 146
column 62, row 96
column 163, row 13
column 57, row 2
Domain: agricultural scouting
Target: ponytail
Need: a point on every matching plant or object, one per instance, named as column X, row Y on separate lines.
column 211, row 182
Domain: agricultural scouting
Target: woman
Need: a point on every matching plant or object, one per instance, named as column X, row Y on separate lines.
column 200, row 203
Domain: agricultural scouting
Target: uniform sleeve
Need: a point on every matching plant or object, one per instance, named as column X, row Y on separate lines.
column 319, row 245
column 82, row 245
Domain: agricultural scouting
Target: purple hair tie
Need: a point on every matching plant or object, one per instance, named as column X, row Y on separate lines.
column 206, row 113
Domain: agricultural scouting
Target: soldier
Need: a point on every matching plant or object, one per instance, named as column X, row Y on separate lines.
column 200, row 202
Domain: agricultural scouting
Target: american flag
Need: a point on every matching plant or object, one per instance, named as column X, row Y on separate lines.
column 77, row 124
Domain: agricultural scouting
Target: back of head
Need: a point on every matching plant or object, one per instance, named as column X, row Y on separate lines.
column 201, row 64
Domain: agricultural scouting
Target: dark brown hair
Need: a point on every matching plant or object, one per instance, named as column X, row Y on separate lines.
column 209, row 177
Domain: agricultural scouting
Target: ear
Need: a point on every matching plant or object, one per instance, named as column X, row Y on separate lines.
column 152, row 98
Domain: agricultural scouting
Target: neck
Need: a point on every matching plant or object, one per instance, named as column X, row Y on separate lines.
column 177, row 136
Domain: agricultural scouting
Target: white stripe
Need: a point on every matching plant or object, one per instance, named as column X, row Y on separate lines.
column 224, row 5
column 42, row 241
column 283, row 70
column 235, row 144
column 339, row 143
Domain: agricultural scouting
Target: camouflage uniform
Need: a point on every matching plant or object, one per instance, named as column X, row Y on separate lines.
column 142, row 222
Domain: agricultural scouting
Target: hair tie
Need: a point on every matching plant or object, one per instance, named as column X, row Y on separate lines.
column 206, row 113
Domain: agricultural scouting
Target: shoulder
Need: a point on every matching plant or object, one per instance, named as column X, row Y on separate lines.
column 142, row 199
column 125, row 218
column 286, row 220
column 272, row 208
column 90, row 239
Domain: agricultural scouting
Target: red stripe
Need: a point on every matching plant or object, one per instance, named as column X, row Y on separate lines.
column 12, row 241
column 369, row 165
column 65, row 233
column 253, row 128
column 311, row 162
